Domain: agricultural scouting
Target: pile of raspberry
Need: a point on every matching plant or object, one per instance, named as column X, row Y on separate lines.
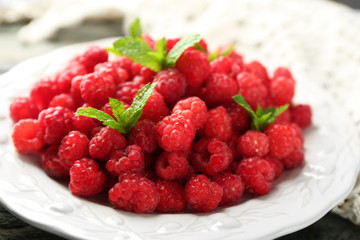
column 193, row 145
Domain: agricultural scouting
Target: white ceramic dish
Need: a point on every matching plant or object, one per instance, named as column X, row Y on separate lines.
column 299, row 198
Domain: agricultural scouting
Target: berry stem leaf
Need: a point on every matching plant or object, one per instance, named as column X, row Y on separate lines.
column 117, row 108
column 113, row 51
column 199, row 47
column 213, row 55
column 135, row 28
column 228, row 51
column 160, row 52
column 103, row 117
column 186, row 42
column 239, row 99
column 138, row 51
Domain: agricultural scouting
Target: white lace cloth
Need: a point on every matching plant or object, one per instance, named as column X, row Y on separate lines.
column 318, row 40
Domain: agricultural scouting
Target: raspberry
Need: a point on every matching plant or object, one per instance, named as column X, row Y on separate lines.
column 294, row 159
column 144, row 135
column 63, row 100
column 258, row 70
column 56, row 122
column 253, row 144
column 43, row 91
column 232, row 186
column 111, row 70
column 284, row 117
column 86, row 178
column 146, row 74
column 28, row 136
column 170, row 84
column 74, row 146
column 96, row 89
column 252, row 88
column 218, row 124
column 171, row 196
column 277, row 165
column 257, row 174
column 149, row 40
column 239, row 117
column 233, row 145
column 298, row 132
column 203, row 195
column 220, row 88
column 211, row 156
column 282, row 90
column 175, row 133
column 75, row 90
column 64, row 79
column 92, row 56
column 171, row 165
column 134, row 193
column 282, row 72
column 22, row 108
column 51, row 163
column 192, row 108
column 129, row 160
column 170, row 43
column 126, row 91
column 281, row 140
column 124, row 63
column 155, row 108
column 105, row 141
column 221, row 65
column 301, row 115
column 195, row 66
column 83, row 124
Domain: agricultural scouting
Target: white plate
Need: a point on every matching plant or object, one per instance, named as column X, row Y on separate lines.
column 299, row 198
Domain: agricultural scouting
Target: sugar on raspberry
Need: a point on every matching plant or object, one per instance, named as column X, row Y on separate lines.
column 171, row 165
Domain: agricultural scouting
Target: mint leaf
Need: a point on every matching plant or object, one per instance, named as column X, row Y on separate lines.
column 135, row 28
column 263, row 117
column 186, row 42
column 228, row 51
column 160, row 52
column 117, row 107
column 103, row 117
column 138, row 51
column 199, row 47
column 113, row 51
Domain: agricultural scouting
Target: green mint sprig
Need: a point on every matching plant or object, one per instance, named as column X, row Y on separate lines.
column 139, row 51
column 225, row 53
column 262, row 117
column 125, row 119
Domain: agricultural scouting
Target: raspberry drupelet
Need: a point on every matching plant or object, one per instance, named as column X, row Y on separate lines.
column 232, row 186
column 63, row 100
column 171, row 84
column 218, row 124
column 86, row 178
column 220, row 88
column 155, row 108
column 253, row 144
column 126, row 91
column 28, row 136
column 134, row 193
column 171, row 165
column 171, row 196
column 23, row 108
column 113, row 71
column 282, row 139
column 222, row 65
column 144, row 135
column 202, row 194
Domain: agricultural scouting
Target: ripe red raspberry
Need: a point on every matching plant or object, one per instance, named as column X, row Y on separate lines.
column 253, row 144
column 113, row 71
column 301, row 115
column 63, row 100
column 277, row 165
column 144, row 135
column 171, row 196
column 203, row 195
column 257, row 174
column 22, row 108
column 202, row 44
column 104, row 142
column 218, row 124
column 194, row 64
column 282, row 90
column 51, row 163
column 298, row 133
column 192, row 108
column 28, row 136
column 282, row 72
column 284, row 117
column 125, row 63
column 175, row 133
column 239, row 117
column 222, row 65
column 56, row 122
column 220, row 88
column 74, row 146
column 211, row 156
column 258, row 70
column 149, row 40
column 92, row 56
column 171, row 165
column 232, row 186
column 96, row 89
column 252, row 88
column 129, row 160
column 294, row 159
column 65, row 77
column 134, row 193
column 43, row 91
column 170, row 84
column 145, row 74
column 281, row 140
column 126, row 92
column 233, row 144
column 84, row 124
column 155, row 108
column 75, row 90
column 86, row 178
column 170, row 43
